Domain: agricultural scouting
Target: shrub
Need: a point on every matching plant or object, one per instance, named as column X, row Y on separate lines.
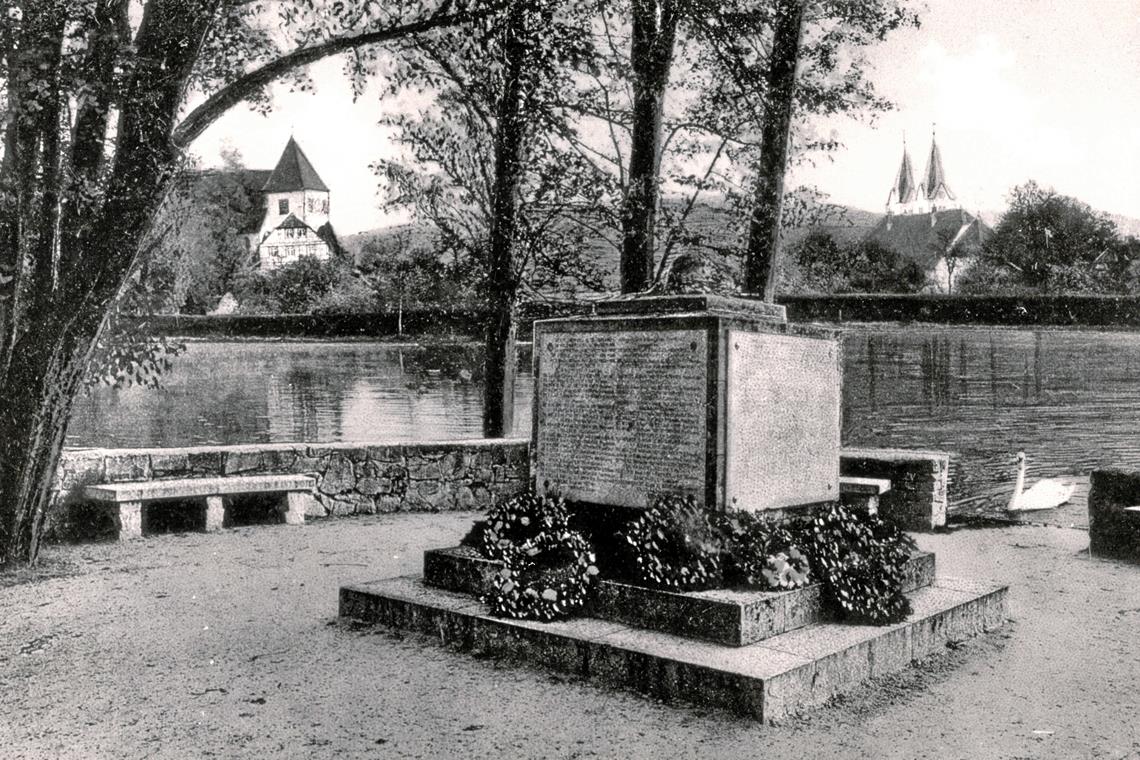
column 675, row 546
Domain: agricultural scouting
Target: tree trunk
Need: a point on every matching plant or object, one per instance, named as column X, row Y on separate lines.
column 501, row 282
column 651, row 57
column 50, row 339
column 761, row 258
column 41, row 389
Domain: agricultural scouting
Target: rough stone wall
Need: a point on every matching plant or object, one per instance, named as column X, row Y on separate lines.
column 351, row 479
column 357, row 478
column 918, row 495
column 1112, row 531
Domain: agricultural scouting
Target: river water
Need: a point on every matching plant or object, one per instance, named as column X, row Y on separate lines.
column 1070, row 399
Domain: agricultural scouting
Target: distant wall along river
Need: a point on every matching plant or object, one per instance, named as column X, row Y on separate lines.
column 1069, row 399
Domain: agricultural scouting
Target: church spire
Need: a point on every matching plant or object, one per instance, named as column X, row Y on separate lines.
column 934, row 179
column 903, row 191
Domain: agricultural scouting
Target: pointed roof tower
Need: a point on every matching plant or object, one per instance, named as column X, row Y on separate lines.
column 293, row 172
column 934, row 179
column 904, row 190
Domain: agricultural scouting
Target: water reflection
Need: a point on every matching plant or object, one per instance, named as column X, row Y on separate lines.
column 256, row 392
column 1070, row 399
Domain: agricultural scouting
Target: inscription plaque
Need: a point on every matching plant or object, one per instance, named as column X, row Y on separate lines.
column 782, row 423
column 621, row 416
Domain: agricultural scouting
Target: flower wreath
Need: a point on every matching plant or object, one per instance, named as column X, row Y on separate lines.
column 548, row 569
column 675, row 546
column 545, row 578
column 519, row 519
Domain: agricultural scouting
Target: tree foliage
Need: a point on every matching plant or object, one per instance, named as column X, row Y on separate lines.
column 202, row 255
column 866, row 266
column 410, row 274
column 678, row 104
column 1048, row 242
column 445, row 174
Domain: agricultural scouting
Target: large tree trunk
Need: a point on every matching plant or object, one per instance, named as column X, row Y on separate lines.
column 501, row 282
column 651, row 57
column 41, row 388
column 761, row 258
column 70, row 284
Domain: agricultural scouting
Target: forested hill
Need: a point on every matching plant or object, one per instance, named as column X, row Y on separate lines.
column 713, row 224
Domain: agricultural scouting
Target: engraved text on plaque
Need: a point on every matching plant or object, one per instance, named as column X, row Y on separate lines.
column 621, row 416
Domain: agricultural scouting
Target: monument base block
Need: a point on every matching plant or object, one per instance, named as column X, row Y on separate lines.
column 733, row 617
column 768, row 680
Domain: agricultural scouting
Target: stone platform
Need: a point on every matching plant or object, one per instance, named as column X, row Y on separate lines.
column 733, row 617
column 768, row 679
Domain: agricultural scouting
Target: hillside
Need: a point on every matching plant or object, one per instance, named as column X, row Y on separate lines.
column 712, row 223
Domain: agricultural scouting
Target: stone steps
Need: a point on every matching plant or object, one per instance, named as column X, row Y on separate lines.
column 723, row 616
column 768, row 680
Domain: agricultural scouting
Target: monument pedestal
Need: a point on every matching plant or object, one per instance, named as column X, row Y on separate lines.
column 775, row 675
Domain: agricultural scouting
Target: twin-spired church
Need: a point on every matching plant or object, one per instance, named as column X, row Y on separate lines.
column 925, row 220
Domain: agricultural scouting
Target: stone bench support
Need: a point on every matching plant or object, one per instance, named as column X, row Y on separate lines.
column 130, row 497
column 863, row 493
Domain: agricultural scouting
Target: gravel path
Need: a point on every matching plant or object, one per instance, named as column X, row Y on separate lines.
column 227, row 645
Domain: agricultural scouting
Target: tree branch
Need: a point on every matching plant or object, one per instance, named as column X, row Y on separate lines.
column 198, row 120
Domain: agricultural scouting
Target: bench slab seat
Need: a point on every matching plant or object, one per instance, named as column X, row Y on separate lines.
column 129, row 497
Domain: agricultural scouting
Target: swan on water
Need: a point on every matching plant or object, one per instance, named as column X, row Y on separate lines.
column 1045, row 494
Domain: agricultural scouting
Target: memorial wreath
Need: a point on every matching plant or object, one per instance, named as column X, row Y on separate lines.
column 548, row 569
column 675, row 546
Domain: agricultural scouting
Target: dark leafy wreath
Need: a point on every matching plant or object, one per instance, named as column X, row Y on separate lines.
column 675, row 546
column 519, row 519
column 762, row 555
column 861, row 561
column 545, row 578
column 548, row 569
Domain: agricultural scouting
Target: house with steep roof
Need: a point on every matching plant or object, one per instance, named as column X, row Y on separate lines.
column 927, row 223
column 295, row 222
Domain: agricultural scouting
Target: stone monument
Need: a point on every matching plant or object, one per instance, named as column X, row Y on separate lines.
column 721, row 400
column 705, row 396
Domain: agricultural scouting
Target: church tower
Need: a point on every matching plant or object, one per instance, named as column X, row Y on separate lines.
column 904, row 192
column 295, row 188
column 926, row 222
column 935, row 189
column 296, row 221
column 930, row 195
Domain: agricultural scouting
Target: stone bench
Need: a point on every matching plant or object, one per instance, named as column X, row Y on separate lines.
column 129, row 497
column 1114, row 519
column 862, row 493
column 917, row 500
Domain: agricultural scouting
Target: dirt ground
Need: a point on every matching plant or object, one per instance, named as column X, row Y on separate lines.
column 227, row 645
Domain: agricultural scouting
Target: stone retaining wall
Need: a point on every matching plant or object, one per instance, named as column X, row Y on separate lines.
column 359, row 478
column 352, row 478
column 1113, row 532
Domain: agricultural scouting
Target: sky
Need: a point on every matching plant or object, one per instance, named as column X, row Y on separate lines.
column 1015, row 89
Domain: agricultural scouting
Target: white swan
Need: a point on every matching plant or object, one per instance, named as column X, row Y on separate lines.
column 1045, row 494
